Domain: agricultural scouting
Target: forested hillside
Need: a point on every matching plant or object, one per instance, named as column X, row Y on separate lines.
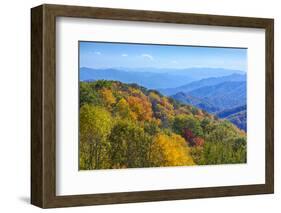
column 219, row 99
column 237, row 116
column 128, row 126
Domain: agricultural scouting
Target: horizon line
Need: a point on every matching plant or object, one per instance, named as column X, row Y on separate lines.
column 118, row 68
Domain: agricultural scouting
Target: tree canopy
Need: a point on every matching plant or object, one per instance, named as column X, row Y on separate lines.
column 127, row 126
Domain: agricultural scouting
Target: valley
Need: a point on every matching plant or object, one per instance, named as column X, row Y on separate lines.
column 215, row 91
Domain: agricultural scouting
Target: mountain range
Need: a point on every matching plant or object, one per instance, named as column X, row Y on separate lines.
column 154, row 78
column 217, row 97
column 221, row 92
column 204, row 82
column 226, row 100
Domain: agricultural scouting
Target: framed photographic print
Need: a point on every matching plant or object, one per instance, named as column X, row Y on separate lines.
column 135, row 106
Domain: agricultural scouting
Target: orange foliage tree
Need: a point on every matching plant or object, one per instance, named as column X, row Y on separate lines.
column 140, row 108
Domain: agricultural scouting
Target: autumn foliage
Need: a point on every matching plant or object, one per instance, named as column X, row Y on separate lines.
column 127, row 126
column 192, row 139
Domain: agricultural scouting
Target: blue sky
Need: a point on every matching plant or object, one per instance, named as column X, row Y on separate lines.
column 116, row 55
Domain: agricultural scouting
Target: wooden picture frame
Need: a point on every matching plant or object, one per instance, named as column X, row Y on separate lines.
column 43, row 105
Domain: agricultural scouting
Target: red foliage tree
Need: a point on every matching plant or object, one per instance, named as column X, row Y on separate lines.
column 192, row 139
column 188, row 135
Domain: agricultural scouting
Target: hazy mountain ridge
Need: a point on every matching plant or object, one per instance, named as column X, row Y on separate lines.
column 226, row 100
column 195, row 101
column 203, row 82
column 154, row 78
column 237, row 116
column 229, row 112
column 221, row 96
column 147, row 79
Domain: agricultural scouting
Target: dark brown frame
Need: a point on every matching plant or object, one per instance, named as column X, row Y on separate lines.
column 43, row 105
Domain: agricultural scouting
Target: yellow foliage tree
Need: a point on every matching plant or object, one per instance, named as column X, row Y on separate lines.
column 108, row 97
column 123, row 109
column 154, row 97
column 171, row 151
column 168, row 106
column 95, row 126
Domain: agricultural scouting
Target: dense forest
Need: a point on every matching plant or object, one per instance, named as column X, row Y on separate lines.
column 128, row 126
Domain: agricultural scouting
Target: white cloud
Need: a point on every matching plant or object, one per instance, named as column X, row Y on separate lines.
column 148, row 56
column 97, row 53
column 174, row 62
column 124, row 55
